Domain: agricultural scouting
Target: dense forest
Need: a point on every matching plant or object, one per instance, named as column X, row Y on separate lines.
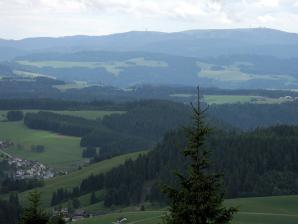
column 139, row 128
column 257, row 163
column 251, row 116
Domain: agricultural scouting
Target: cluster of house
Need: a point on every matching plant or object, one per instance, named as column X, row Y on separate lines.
column 77, row 215
column 27, row 169
column 288, row 98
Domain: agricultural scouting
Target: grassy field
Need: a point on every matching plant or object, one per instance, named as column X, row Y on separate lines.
column 61, row 152
column 113, row 67
column 88, row 114
column 74, row 178
column 263, row 210
column 146, row 217
column 232, row 73
column 230, row 99
column 74, row 85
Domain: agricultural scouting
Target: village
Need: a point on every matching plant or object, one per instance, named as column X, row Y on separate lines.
column 25, row 169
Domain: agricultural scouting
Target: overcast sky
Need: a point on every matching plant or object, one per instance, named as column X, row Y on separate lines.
column 30, row 18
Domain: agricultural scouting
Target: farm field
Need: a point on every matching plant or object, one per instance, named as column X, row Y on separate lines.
column 113, row 67
column 73, row 85
column 88, row 114
column 74, row 178
column 230, row 99
column 61, row 152
column 263, row 210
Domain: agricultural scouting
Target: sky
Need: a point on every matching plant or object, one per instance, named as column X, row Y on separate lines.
column 32, row 18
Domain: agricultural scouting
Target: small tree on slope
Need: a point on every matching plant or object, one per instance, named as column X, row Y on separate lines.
column 34, row 214
column 199, row 198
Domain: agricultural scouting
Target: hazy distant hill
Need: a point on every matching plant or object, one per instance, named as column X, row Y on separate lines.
column 235, row 58
column 124, row 69
column 198, row 43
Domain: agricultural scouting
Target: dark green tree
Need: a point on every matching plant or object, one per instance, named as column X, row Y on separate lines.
column 33, row 214
column 199, row 197
column 93, row 198
column 15, row 115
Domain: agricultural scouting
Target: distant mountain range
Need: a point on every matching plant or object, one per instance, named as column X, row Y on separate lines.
column 235, row 58
column 195, row 43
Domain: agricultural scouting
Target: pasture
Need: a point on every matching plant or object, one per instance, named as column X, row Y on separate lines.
column 262, row 210
column 61, row 152
column 113, row 67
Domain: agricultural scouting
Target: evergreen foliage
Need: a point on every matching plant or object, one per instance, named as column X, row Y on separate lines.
column 33, row 214
column 93, row 198
column 199, row 197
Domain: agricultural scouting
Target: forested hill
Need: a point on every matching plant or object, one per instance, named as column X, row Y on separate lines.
column 258, row 163
column 199, row 43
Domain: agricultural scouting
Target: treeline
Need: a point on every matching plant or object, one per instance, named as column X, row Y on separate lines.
column 56, row 104
column 257, row 163
column 251, row 116
column 138, row 129
column 12, row 185
column 59, row 123
column 10, row 210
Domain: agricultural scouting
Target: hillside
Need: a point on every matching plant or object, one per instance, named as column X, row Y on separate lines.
column 126, row 69
column 235, row 58
column 61, row 152
column 265, row 210
column 74, row 179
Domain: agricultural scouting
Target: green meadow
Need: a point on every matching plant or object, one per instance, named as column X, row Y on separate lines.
column 61, row 152
column 74, row 179
column 113, row 67
column 263, row 210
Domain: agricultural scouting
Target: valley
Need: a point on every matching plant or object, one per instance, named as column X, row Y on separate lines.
column 95, row 126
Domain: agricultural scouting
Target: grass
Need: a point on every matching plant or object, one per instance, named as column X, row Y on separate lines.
column 262, row 210
column 74, row 85
column 61, row 152
column 232, row 73
column 74, row 178
column 146, row 217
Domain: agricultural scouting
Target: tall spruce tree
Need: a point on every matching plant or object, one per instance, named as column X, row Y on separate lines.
column 33, row 214
column 199, row 197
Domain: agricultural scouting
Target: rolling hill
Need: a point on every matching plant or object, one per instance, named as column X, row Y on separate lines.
column 74, row 179
column 257, row 58
column 196, row 43
column 126, row 69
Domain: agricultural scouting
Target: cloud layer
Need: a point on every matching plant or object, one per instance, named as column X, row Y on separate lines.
column 23, row 18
